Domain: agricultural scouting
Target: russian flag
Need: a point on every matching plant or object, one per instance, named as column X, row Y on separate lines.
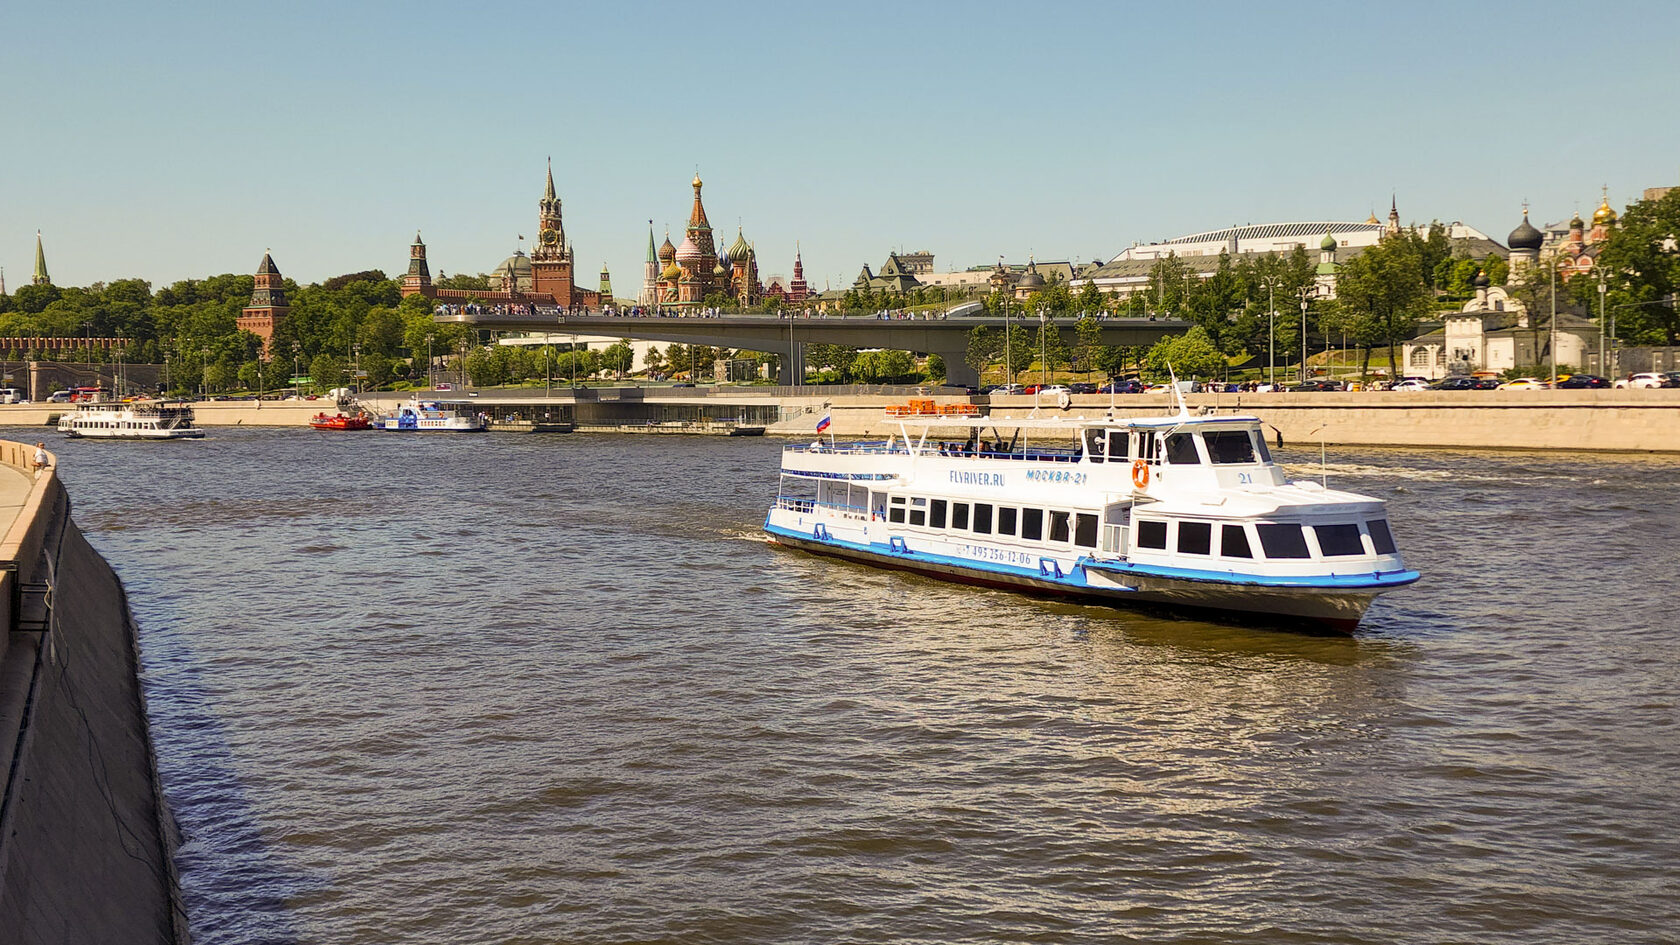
column 824, row 422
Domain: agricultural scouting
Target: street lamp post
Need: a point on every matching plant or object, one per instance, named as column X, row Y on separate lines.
column 1603, row 356
column 1307, row 293
column 1551, row 340
column 1271, row 333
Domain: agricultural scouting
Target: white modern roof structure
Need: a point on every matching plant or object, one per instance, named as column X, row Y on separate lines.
column 1276, row 238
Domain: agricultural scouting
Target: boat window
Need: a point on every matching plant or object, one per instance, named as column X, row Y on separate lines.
column 1085, row 529
column 1283, row 541
column 1151, row 534
column 1032, row 524
column 1119, row 445
column 959, row 515
column 1095, row 440
column 982, row 518
column 1195, row 538
column 1381, row 539
column 1230, row 446
column 1338, row 541
column 1260, row 446
column 918, row 511
column 1146, row 445
column 1181, row 450
column 1058, row 526
column 936, row 514
column 895, row 513
column 1006, row 519
column 1233, row 542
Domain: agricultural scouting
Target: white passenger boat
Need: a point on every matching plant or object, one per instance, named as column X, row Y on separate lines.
column 439, row 416
column 140, row 420
column 1171, row 511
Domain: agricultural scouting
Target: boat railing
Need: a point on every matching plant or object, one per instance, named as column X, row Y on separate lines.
column 1114, row 538
column 807, row 506
column 845, row 448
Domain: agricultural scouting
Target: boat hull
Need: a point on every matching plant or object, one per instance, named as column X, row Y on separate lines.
column 1302, row 608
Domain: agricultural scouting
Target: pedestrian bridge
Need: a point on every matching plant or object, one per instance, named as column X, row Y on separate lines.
column 946, row 337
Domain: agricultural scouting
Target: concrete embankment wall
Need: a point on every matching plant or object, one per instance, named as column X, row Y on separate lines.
column 86, row 842
column 1619, row 420
column 214, row 413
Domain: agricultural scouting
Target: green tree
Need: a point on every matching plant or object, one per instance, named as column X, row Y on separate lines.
column 1386, row 289
column 327, row 372
column 1051, row 350
column 1087, row 345
column 935, row 367
column 1642, row 257
column 619, row 357
column 1190, row 355
column 983, row 346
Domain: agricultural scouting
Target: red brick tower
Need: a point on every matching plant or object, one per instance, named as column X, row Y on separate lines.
column 268, row 306
column 418, row 281
column 797, row 289
column 551, row 260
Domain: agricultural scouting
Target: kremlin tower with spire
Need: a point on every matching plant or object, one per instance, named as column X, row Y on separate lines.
column 550, row 282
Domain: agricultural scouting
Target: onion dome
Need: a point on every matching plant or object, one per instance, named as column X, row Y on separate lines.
column 671, row 272
column 718, row 270
column 1604, row 216
column 1525, row 236
column 739, row 249
column 1481, row 281
column 667, row 252
column 1575, row 222
column 688, row 252
column 1328, row 243
column 1372, row 219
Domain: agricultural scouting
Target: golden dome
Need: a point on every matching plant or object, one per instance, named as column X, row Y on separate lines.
column 1604, row 216
column 696, row 180
column 671, row 272
column 1373, row 218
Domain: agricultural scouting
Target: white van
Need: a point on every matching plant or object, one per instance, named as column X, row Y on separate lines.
column 12, row 395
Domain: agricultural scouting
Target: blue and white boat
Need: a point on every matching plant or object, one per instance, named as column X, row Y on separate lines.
column 435, row 416
column 1181, row 512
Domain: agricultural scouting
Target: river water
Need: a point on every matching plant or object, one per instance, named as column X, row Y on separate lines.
column 554, row 688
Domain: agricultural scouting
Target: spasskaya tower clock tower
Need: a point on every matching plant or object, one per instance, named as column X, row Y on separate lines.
column 551, row 259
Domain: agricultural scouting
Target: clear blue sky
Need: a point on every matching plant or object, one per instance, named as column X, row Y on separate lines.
column 175, row 140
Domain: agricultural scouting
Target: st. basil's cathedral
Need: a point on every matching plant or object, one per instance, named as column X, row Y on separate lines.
column 683, row 277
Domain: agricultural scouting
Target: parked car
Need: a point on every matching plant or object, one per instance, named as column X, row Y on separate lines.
column 1081, row 387
column 1051, row 389
column 1583, row 382
column 1671, row 379
column 1410, row 384
column 1641, row 380
column 1320, row 384
column 1524, row 383
column 1122, row 387
column 1458, row 382
column 58, row 397
column 1487, row 383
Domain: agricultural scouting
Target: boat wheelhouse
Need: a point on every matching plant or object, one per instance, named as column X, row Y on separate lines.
column 139, row 420
column 1171, row 511
column 435, row 416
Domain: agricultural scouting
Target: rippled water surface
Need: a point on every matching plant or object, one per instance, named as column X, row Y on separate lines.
column 536, row 689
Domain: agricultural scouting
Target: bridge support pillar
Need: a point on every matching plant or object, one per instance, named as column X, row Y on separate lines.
column 791, row 371
column 958, row 373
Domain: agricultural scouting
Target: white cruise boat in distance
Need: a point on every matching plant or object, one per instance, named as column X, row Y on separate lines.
column 139, row 420
column 1172, row 511
column 435, row 416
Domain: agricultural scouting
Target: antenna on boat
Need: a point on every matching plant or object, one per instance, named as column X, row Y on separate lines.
column 1178, row 395
column 1323, row 468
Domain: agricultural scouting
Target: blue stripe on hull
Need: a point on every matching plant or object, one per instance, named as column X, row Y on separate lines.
column 1338, row 607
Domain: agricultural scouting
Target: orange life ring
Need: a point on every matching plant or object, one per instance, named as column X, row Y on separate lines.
column 1140, row 474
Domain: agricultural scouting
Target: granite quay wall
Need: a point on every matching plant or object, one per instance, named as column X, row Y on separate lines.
column 86, row 842
column 1588, row 420
column 210, row 413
